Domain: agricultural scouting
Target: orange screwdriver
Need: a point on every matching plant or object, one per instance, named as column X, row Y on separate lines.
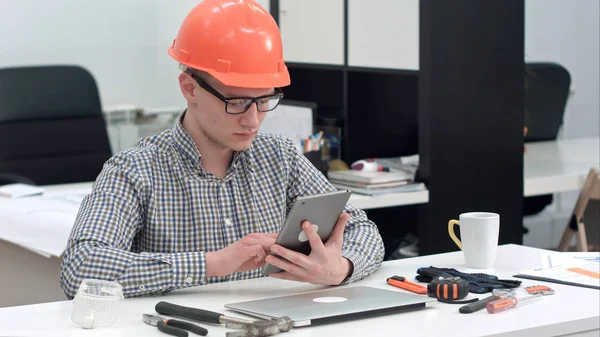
column 506, row 302
column 509, row 300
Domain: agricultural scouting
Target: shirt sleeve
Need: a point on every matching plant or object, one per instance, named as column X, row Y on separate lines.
column 363, row 245
column 101, row 241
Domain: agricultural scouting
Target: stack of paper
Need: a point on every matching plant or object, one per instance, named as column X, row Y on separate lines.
column 374, row 183
column 19, row 190
column 577, row 269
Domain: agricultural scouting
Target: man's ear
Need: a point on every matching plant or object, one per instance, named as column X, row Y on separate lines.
column 187, row 87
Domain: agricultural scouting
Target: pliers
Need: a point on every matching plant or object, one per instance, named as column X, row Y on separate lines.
column 173, row 327
column 245, row 328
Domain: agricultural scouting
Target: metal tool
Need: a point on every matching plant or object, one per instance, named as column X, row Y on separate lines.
column 247, row 328
column 539, row 289
column 502, row 293
column 476, row 306
column 506, row 303
column 173, row 327
column 509, row 300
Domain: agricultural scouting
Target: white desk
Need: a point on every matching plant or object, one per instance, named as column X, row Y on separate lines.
column 548, row 167
column 559, row 166
column 357, row 200
column 572, row 310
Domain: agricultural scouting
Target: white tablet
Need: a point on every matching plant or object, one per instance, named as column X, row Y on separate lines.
column 321, row 210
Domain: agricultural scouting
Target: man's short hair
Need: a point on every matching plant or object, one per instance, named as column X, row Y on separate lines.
column 202, row 74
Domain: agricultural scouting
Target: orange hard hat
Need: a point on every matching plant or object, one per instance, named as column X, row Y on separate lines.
column 235, row 41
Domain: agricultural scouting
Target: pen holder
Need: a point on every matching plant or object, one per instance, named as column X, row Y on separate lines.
column 316, row 158
column 332, row 135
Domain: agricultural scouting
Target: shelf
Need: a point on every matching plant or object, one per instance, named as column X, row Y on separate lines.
column 389, row 200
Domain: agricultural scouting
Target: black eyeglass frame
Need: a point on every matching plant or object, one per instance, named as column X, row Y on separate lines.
column 226, row 100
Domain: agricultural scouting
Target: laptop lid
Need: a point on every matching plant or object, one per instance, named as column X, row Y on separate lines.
column 332, row 305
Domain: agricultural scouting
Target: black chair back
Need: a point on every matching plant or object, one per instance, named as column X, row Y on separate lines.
column 548, row 86
column 52, row 129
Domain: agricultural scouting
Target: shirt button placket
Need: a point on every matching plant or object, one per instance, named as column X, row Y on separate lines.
column 224, row 205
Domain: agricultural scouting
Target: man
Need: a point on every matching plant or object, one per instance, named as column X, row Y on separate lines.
column 203, row 202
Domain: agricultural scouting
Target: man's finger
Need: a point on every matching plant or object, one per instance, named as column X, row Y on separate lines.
column 337, row 236
column 284, row 275
column 287, row 266
column 292, row 256
column 267, row 244
column 265, row 241
column 256, row 251
column 271, row 235
column 316, row 244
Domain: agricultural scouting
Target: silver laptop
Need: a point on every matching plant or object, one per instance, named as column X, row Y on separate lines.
column 333, row 305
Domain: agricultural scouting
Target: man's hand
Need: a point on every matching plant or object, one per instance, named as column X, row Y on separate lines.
column 324, row 265
column 245, row 254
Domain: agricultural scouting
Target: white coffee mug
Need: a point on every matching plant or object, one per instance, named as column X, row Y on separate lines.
column 479, row 237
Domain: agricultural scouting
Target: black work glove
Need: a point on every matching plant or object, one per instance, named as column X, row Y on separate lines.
column 479, row 283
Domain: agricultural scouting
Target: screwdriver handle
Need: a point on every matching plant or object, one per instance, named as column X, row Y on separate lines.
column 500, row 305
column 170, row 309
column 476, row 306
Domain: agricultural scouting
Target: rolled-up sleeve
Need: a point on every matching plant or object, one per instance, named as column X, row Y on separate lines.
column 100, row 244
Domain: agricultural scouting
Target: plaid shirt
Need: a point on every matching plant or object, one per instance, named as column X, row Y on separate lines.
column 154, row 212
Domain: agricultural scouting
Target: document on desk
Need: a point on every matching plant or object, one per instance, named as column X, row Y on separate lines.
column 41, row 223
column 20, row 190
column 577, row 269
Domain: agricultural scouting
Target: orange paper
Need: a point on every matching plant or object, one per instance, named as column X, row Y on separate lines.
column 585, row 272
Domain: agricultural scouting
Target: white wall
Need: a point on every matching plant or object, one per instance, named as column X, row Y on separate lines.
column 115, row 40
column 567, row 32
column 170, row 16
column 383, row 38
column 123, row 43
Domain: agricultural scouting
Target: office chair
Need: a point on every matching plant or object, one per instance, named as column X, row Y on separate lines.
column 52, row 130
column 545, row 102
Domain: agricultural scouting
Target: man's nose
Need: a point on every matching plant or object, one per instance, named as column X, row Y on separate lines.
column 250, row 118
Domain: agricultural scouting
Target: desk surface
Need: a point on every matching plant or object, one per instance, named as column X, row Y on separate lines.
column 570, row 310
column 549, row 167
column 357, row 200
column 559, row 166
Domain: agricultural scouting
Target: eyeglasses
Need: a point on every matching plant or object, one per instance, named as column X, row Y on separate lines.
column 239, row 105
